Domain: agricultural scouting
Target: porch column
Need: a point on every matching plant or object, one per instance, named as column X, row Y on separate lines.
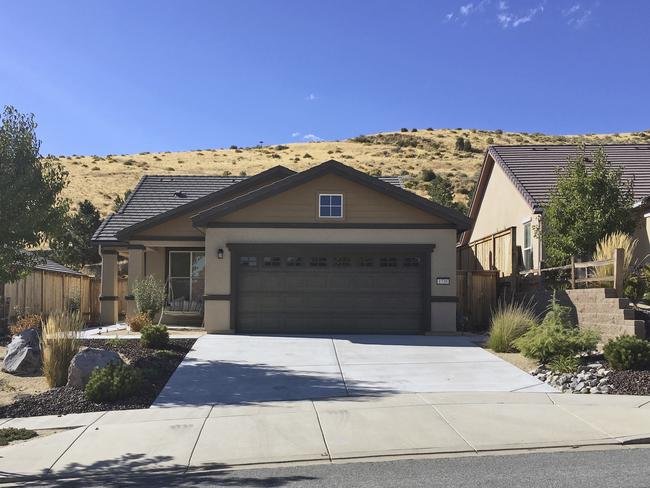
column 136, row 273
column 108, row 299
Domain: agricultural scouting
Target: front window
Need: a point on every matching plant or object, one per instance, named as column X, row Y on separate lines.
column 330, row 206
column 527, row 249
column 186, row 279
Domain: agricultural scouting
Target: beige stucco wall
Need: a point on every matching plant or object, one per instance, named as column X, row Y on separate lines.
column 443, row 262
column 643, row 235
column 360, row 204
column 503, row 207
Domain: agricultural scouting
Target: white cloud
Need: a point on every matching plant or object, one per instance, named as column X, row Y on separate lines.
column 312, row 138
column 508, row 19
column 449, row 16
column 466, row 9
column 295, row 134
column 311, row 97
column 576, row 15
column 502, row 5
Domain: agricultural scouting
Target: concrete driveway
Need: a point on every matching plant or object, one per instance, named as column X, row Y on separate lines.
column 241, row 369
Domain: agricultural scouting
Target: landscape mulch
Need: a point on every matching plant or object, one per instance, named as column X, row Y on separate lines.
column 630, row 382
column 157, row 369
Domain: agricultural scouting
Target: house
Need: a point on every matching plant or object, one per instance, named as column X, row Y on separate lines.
column 326, row 250
column 516, row 181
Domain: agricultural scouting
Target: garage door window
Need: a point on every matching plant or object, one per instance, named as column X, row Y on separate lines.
column 294, row 261
column 330, row 206
column 388, row 262
column 186, row 278
column 272, row 261
column 411, row 262
column 366, row 262
column 342, row 261
column 318, row 262
column 248, row 261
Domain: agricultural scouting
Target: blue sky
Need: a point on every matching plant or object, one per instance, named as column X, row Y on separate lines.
column 130, row 76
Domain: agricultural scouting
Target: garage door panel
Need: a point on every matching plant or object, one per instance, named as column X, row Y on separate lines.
column 332, row 299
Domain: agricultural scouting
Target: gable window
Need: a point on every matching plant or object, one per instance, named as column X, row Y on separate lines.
column 186, row 279
column 527, row 249
column 330, row 205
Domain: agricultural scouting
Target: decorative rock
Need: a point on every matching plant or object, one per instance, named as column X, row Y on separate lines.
column 87, row 359
column 23, row 354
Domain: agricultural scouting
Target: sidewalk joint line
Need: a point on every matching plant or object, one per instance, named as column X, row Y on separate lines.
column 76, row 439
column 189, row 460
column 336, row 355
column 322, row 432
column 643, row 404
column 454, row 428
column 589, row 424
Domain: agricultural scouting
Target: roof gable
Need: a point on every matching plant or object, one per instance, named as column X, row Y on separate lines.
column 337, row 168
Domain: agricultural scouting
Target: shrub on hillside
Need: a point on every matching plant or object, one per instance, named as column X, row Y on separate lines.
column 555, row 336
column 428, row 174
column 509, row 321
column 113, row 382
column 154, row 337
column 628, row 352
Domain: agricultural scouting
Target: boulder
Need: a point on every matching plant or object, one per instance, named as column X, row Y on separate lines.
column 87, row 359
column 23, row 354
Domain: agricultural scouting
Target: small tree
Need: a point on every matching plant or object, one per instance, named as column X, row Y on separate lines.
column 460, row 143
column 149, row 295
column 31, row 206
column 72, row 245
column 589, row 202
column 119, row 200
column 441, row 191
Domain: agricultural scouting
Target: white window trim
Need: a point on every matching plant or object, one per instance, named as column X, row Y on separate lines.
column 331, row 216
column 530, row 242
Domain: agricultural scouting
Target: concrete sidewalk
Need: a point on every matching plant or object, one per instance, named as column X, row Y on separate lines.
column 175, row 440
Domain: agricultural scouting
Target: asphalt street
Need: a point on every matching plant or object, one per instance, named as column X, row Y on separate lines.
column 624, row 468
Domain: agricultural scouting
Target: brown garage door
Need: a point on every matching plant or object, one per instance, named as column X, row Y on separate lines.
column 316, row 290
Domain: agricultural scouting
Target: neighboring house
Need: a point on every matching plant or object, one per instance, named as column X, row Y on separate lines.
column 516, row 181
column 327, row 250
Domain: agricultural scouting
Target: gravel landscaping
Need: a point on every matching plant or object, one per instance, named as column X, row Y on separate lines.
column 156, row 368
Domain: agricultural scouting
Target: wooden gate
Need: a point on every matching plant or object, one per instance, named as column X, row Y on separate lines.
column 477, row 297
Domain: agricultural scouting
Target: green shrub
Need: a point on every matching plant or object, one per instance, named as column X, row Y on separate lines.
column 138, row 321
column 628, row 352
column 555, row 336
column 154, row 337
column 11, row 434
column 149, row 295
column 564, row 364
column 428, row 174
column 112, row 383
column 634, row 288
column 509, row 321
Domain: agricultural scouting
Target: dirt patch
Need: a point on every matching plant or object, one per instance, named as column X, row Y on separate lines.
column 13, row 387
column 517, row 359
column 155, row 367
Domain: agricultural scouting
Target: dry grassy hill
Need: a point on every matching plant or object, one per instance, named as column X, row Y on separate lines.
column 407, row 153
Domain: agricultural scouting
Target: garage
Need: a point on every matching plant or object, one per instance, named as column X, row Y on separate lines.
column 331, row 289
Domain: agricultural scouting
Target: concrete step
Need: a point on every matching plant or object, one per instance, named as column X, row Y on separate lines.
column 592, row 292
column 602, row 305
column 609, row 331
column 612, row 317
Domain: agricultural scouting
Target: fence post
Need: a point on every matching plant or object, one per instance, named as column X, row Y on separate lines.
column 573, row 272
column 619, row 270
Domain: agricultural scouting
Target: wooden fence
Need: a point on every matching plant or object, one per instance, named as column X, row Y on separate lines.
column 582, row 273
column 496, row 252
column 44, row 291
column 477, row 296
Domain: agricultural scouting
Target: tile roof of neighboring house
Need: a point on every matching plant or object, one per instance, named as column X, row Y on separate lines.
column 156, row 194
column 532, row 169
column 49, row 265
